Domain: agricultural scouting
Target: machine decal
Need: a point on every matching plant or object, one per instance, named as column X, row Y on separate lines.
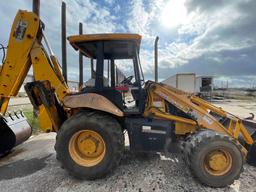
column 20, row 30
column 163, row 95
column 157, row 104
column 208, row 120
column 194, row 114
column 185, row 109
column 147, row 129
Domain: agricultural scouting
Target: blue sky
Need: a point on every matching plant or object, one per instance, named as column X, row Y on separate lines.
column 203, row 36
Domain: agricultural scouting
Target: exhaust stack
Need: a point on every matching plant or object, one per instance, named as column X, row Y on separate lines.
column 156, row 59
column 81, row 67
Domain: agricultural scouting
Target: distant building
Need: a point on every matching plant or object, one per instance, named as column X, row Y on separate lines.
column 119, row 77
column 183, row 81
column 29, row 78
column 73, row 85
column 189, row 82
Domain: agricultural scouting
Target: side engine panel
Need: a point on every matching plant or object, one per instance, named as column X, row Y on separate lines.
column 147, row 134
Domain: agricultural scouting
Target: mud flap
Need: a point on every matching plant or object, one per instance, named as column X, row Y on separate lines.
column 14, row 129
column 251, row 156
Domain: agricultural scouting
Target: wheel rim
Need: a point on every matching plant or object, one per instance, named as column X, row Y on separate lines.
column 87, row 148
column 218, row 162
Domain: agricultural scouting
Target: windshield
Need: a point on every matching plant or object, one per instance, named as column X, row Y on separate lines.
column 124, row 69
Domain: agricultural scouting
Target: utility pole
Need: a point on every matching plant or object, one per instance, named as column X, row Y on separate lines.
column 63, row 40
column 36, row 7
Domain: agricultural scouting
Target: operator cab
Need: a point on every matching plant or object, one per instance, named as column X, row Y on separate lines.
column 115, row 68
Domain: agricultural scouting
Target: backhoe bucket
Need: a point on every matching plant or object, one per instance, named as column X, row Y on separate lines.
column 14, row 130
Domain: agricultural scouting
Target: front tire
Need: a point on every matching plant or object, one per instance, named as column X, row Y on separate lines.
column 89, row 145
column 215, row 160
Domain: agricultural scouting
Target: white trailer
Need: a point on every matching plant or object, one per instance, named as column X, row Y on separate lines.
column 183, row 81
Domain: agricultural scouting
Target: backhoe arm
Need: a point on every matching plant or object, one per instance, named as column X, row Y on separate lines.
column 49, row 88
column 17, row 63
column 25, row 49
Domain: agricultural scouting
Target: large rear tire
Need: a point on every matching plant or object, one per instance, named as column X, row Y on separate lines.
column 216, row 160
column 89, row 145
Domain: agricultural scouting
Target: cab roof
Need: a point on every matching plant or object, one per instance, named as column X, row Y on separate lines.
column 116, row 45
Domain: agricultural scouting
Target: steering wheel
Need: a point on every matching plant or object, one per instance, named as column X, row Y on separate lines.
column 127, row 80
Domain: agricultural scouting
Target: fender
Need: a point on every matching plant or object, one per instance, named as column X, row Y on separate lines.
column 93, row 101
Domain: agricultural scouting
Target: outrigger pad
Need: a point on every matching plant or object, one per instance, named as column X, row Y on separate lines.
column 251, row 156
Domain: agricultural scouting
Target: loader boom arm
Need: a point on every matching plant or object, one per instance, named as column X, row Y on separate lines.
column 199, row 113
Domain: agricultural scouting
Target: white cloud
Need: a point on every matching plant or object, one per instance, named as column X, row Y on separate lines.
column 208, row 35
column 215, row 33
column 117, row 8
column 235, row 82
column 138, row 21
column 96, row 19
column 110, row 2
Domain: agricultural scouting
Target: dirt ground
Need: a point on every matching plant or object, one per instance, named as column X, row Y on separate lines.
column 33, row 167
column 242, row 108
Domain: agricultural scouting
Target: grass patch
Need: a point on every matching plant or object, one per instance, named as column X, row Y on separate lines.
column 33, row 121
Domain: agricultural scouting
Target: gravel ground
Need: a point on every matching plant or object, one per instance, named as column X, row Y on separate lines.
column 32, row 166
column 242, row 108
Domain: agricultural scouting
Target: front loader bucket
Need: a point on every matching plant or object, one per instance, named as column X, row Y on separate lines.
column 250, row 125
column 14, row 130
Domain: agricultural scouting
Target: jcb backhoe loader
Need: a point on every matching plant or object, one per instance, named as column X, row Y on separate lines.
column 90, row 124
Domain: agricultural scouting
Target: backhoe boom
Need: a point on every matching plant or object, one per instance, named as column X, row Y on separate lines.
column 25, row 49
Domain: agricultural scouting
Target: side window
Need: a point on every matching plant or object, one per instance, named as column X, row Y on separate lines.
column 106, row 73
column 92, row 75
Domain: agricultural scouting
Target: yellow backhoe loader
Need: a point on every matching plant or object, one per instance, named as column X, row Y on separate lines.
column 90, row 124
